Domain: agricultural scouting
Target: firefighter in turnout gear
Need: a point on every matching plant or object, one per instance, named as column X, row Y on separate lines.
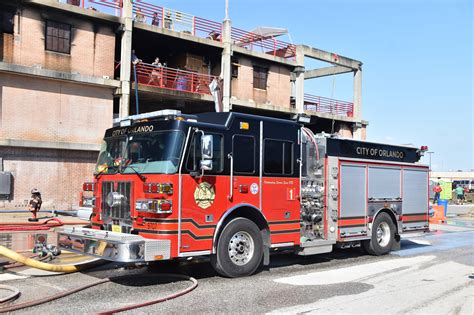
column 35, row 204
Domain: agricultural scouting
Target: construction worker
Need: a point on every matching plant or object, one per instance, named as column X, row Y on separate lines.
column 35, row 204
column 437, row 190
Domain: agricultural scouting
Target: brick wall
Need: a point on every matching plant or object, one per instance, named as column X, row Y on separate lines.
column 92, row 44
column 278, row 85
column 48, row 110
column 58, row 174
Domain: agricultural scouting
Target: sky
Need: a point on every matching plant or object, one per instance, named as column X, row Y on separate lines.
column 417, row 62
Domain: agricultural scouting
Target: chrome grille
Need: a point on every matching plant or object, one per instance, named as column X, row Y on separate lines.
column 120, row 212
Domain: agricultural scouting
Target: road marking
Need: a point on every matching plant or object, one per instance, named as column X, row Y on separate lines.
column 353, row 273
column 10, row 276
column 437, row 242
column 435, row 288
column 420, row 242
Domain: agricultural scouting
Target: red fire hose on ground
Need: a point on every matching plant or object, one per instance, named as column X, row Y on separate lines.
column 102, row 281
column 36, row 226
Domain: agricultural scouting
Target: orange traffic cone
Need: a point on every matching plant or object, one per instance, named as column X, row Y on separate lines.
column 438, row 215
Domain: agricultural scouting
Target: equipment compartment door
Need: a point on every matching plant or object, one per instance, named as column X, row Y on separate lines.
column 415, row 199
column 353, row 200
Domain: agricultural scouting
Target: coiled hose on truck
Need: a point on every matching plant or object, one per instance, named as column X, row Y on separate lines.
column 73, row 268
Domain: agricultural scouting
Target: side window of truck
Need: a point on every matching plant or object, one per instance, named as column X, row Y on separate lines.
column 243, row 150
column 194, row 156
column 278, row 157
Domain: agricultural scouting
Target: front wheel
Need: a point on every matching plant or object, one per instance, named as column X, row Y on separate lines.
column 239, row 249
column 383, row 236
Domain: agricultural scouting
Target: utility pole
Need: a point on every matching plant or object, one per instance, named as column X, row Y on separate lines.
column 430, row 152
column 126, row 58
column 226, row 9
column 226, row 59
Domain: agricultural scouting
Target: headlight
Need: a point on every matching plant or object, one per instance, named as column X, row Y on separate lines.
column 88, row 202
column 154, row 205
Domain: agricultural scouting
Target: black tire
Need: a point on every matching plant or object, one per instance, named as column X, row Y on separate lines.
column 373, row 246
column 229, row 263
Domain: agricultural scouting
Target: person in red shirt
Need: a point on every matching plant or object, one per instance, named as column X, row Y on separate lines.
column 437, row 190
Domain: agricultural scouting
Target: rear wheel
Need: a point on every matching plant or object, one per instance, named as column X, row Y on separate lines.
column 383, row 236
column 239, row 249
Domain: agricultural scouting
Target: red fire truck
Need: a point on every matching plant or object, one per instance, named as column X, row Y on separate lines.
column 234, row 187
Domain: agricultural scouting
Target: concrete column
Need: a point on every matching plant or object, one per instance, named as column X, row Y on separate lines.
column 357, row 133
column 358, row 94
column 126, row 58
column 299, row 83
column 226, row 65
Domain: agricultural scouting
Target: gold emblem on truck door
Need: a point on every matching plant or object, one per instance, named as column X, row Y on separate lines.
column 204, row 195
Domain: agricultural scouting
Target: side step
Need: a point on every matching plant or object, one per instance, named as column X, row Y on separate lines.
column 316, row 247
column 306, row 251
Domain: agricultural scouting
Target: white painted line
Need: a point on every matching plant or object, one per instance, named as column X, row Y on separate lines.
column 420, row 242
column 10, row 276
column 353, row 273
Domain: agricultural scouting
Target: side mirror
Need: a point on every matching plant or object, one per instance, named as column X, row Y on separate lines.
column 207, row 147
column 206, row 165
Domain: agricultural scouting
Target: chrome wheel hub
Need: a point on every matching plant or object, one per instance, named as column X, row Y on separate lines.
column 383, row 234
column 241, row 248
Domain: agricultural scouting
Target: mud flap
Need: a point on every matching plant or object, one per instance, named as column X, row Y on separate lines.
column 266, row 247
column 396, row 243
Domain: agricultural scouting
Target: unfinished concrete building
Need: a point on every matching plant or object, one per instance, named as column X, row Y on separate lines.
column 68, row 68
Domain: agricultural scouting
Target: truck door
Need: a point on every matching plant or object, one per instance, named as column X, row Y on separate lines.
column 280, row 184
column 245, row 187
column 202, row 197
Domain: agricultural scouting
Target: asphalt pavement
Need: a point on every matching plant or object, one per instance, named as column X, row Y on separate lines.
column 431, row 274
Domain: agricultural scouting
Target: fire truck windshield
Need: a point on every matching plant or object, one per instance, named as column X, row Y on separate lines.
column 154, row 152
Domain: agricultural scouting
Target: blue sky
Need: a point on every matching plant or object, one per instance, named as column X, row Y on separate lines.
column 417, row 55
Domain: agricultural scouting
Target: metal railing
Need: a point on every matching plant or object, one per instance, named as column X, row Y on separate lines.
column 159, row 16
column 187, row 23
column 321, row 104
column 173, row 79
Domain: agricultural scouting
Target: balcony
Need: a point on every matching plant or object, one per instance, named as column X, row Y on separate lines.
column 179, row 21
column 319, row 104
column 173, row 79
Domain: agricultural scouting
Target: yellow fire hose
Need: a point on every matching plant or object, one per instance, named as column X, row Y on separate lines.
column 41, row 265
column 73, row 268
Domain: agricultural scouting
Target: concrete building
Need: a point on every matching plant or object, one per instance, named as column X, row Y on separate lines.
column 66, row 70
column 55, row 99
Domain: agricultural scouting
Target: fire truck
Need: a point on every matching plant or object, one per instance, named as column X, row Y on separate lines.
column 236, row 187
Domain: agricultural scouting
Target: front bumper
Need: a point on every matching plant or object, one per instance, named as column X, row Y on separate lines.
column 113, row 246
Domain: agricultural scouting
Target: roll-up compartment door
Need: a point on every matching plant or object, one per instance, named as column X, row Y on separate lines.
column 384, row 182
column 415, row 198
column 353, row 200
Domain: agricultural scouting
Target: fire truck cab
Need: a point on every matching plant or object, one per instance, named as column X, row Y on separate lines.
column 234, row 187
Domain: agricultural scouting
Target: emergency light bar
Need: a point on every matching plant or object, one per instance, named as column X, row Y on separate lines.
column 126, row 121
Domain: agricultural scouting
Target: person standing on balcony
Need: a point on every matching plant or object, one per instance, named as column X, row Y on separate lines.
column 155, row 21
column 437, row 192
column 168, row 21
column 135, row 59
column 157, row 73
column 74, row 2
column 139, row 16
